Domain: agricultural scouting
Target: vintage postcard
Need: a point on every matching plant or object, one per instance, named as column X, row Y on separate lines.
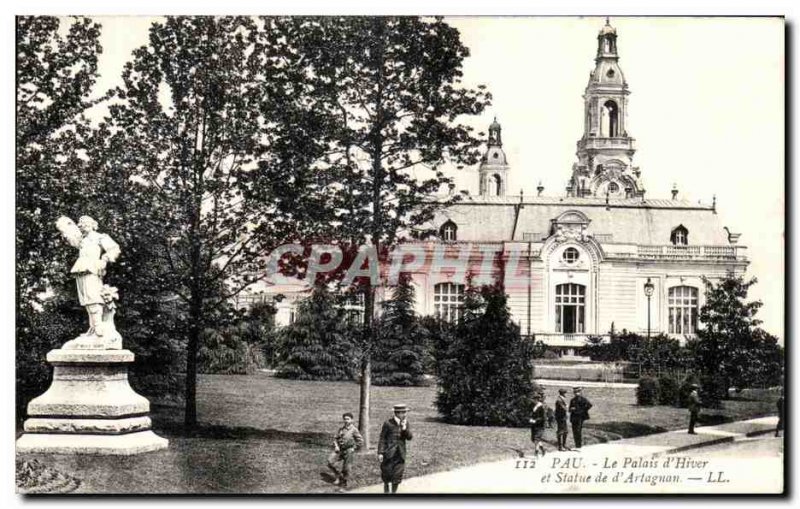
column 390, row 255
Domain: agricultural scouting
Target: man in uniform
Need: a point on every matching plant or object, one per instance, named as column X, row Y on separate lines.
column 578, row 412
column 561, row 420
column 694, row 408
column 392, row 448
column 347, row 441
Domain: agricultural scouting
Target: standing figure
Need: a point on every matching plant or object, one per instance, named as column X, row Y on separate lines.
column 561, row 420
column 779, row 404
column 538, row 422
column 392, row 448
column 345, row 444
column 95, row 252
column 578, row 412
column 694, row 408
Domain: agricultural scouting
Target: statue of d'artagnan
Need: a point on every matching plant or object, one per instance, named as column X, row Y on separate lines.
column 95, row 251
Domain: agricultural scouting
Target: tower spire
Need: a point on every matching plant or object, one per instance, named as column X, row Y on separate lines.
column 493, row 171
column 605, row 151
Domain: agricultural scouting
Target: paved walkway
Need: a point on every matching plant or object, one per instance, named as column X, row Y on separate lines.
column 576, row 383
column 580, row 471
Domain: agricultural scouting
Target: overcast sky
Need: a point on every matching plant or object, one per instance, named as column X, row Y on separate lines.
column 706, row 109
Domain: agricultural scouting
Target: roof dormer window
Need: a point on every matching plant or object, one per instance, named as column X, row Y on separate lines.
column 449, row 232
column 680, row 236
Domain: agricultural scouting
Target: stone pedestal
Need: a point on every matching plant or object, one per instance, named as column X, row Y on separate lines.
column 89, row 408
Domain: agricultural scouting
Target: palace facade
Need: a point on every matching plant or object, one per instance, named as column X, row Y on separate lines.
column 601, row 255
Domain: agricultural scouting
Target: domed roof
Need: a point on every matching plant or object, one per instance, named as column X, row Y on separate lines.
column 494, row 125
column 495, row 156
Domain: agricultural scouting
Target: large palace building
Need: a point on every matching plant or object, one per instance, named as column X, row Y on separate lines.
column 599, row 256
column 587, row 260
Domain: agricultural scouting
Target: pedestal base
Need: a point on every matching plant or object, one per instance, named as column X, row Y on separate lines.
column 90, row 408
column 62, row 443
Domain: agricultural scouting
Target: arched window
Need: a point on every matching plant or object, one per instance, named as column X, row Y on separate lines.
column 683, row 310
column 610, row 127
column 613, row 187
column 449, row 232
column 448, row 299
column 497, row 185
column 570, row 308
column 679, row 236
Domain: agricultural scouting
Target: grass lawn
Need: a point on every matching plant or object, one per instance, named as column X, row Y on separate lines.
column 261, row 434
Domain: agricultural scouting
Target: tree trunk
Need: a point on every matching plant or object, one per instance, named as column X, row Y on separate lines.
column 363, row 406
column 190, row 413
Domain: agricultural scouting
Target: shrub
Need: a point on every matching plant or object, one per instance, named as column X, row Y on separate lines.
column 647, row 392
column 712, row 391
column 319, row 345
column 485, row 373
column 668, row 390
column 550, row 355
column 225, row 352
column 402, row 347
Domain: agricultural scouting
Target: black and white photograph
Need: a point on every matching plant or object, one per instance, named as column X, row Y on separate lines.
column 388, row 255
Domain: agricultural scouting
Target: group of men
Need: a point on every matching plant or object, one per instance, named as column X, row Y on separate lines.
column 392, row 451
column 577, row 410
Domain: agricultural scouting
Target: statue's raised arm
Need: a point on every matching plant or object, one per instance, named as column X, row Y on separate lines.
column 70, row 231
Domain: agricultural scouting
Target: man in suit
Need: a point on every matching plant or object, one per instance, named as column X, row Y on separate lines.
column 694, row 408
column 779, row 404
column 578, row 412
column 392, row 448
column 561, row 420
column 345, row 444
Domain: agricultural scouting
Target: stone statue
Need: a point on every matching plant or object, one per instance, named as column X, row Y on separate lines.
column 95, row 252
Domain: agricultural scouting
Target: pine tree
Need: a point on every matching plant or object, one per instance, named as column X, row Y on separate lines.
column 400, row 358
column 319, row 344
column 485, row 375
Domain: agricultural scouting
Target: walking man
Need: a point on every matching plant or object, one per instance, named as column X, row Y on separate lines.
column 392, row 448
column 578, row 412
column 347, row 441
column 561, row 420
column 779, row 404
column 694, row 408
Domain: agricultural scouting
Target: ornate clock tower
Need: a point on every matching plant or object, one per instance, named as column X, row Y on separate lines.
column 605, row 152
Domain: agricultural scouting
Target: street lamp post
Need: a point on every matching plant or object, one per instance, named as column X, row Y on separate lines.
column 648, row 290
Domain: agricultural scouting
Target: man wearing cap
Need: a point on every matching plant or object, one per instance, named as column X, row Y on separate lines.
column 392, row 448
column 578, row 412
column 345, row 444
column 561, row 420
column 694, row 408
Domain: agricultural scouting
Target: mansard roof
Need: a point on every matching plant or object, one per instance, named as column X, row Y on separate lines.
column 626, row 220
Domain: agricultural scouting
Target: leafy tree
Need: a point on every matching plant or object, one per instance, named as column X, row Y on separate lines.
column 485, row 376
column 209, row 117
column 319, row 345
column 731, row 347
column 402, row 350
column 56, row 69
column 390, row 89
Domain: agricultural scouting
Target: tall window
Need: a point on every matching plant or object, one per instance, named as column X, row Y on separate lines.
column 680, row 236
column 497, row 185
column 352, row 306
column 449, row 232
column 570, row 308
column 610, row 123
column 448, row 299
column 682, row 310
